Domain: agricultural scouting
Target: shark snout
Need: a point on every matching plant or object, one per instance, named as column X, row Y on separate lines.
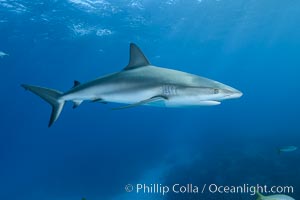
column 236, row 94
column 233, row 93
column 230, row 93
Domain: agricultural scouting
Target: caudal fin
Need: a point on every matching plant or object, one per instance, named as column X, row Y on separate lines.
column 259, row 196
column 51, row 96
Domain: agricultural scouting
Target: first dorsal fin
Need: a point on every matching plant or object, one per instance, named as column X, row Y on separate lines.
column 136, row 58
column 76, row 83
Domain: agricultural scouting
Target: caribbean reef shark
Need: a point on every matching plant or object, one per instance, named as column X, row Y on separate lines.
column 140, row 83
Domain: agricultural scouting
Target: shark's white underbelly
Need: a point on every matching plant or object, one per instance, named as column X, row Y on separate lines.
column 171, row 101
column 128, row 95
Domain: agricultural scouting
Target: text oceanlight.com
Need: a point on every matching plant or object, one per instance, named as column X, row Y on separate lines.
column 210, row 188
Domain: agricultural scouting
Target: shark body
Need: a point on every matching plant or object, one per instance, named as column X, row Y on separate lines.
column 2, row 54
column 140, row 83
column 273, row 197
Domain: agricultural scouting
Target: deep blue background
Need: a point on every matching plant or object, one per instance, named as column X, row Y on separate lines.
column 94, row 152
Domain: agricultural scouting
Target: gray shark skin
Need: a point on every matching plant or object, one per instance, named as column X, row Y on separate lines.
column 140, row 83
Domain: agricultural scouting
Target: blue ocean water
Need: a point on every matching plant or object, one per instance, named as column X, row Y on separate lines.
column 94, row 152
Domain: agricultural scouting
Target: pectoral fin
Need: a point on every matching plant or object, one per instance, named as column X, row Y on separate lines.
column 209, row 103
column 99, row 100
column 151, row 100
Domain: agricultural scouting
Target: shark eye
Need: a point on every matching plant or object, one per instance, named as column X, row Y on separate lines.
column 216, row 91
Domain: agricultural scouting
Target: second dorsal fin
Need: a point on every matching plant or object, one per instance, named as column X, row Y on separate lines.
column 136, row 58
column 76, row 83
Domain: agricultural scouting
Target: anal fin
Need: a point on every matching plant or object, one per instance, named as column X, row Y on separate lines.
column 77, row 103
